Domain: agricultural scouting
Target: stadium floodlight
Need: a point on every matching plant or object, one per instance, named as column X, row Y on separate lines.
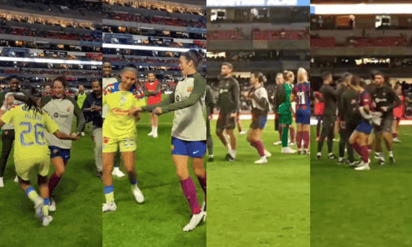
column 47, row 60
column 147, row 48
column 361, row 9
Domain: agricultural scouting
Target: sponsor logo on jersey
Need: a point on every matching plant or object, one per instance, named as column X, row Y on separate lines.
column 105, row 139
column 189, row 89
column 120, row 112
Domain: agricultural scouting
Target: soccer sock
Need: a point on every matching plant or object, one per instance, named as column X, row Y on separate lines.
column 292, row 134
column 391, row 153
column 394, row 135
column 259, row 147
column 365, row 154
column 285, row 137
column 32, row 195
column 318, row 128
column 189, row 190
column 45, row 208
column 133, row 182
column 108, row 193
column 357, row 148
column 202, row 181
column 53, row 182
column 299, row 139
column 233, row 153
column 306, row 139
column 154, row 129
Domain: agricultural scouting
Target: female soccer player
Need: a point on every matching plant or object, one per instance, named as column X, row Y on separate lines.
column 119, row 132
column 93, row 113
column 154, row 96
column 398, row 113
column 285, row 111
column 301, row 95
column 359, row 137
column 31, row 152
column 189, row 130
column 260, row 107
column 62, row 109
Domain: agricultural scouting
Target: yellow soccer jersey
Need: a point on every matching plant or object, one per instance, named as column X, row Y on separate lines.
column 118, row 124
column 30, row 142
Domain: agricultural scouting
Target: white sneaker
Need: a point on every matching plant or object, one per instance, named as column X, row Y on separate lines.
column 277, row 143
column 242, row 132
column 155, row 135
column 292, row 143
column 82, row 134
column 288, row 150
column 138, row 195
column 150, row 134
column 363, row 166
column 16, row 179
column 116, row 172
column 47, row 220
column 396, row 140
column 109, row 206
column 262, row 160
column 194, row 221
column 1, row 182
column 267, row 153
column 52, row 206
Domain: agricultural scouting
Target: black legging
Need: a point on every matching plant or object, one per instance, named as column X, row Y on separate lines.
column 344, row 141
column 328, row 125
column 7, row 138
column 209, row 141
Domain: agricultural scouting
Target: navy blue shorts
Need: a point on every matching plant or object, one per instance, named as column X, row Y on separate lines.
column 59, row 152
column 364, row 127
column 303, row 116
column 194, row 149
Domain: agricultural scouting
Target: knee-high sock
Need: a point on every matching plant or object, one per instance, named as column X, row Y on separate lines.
column 292, row 134
column 285, row 136
column 53, row 182
column 362, row 151
column 189, row 190
column 202, row 181
column 299, row 139
column 306, row 139
column 260, row 147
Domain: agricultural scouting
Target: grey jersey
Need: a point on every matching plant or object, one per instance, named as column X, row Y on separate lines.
column 189, row 123
column 62, row 111
column 15, row 102
column 260, row 93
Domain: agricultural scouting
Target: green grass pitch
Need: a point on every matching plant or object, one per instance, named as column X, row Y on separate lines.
column 77, row 220
column 362, row 208
column 258, row 205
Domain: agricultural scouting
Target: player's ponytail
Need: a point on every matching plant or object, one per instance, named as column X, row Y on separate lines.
column 32, row 101
column 196, row 56
column 261, row 78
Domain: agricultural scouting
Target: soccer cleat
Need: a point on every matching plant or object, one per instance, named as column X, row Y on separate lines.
column 194, row 221
column 267, row 153
column 341, row 161
column 82, row 134
column 277, row 143
column 47, row 219
column 305, row 152
column 229, row 157
column 138, row 195
column 377, row 155
column 396, row 140
column 150, row 134
column 381, row 161
column 288, row 150
column 154, row 135
column 318, row 155
column 16, row 179
column 109, row 207
column 354, row 164
column 242, row 132
column 292, row 143
column 331, row 156
column 52, row 206
column 211, row 158
column 116, row 172
column 363, row 166
column 392, row 160
column 1, row 182
column 262, row 160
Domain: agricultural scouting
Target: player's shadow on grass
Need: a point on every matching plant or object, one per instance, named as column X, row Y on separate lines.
column 66, row 187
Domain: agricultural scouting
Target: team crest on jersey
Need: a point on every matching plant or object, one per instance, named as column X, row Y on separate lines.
column 189, row 89
column 105, row 140
column 68, row 109
column 123, row 100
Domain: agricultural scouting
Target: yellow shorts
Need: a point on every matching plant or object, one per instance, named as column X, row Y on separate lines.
column 112, row 145
column 38, row 166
